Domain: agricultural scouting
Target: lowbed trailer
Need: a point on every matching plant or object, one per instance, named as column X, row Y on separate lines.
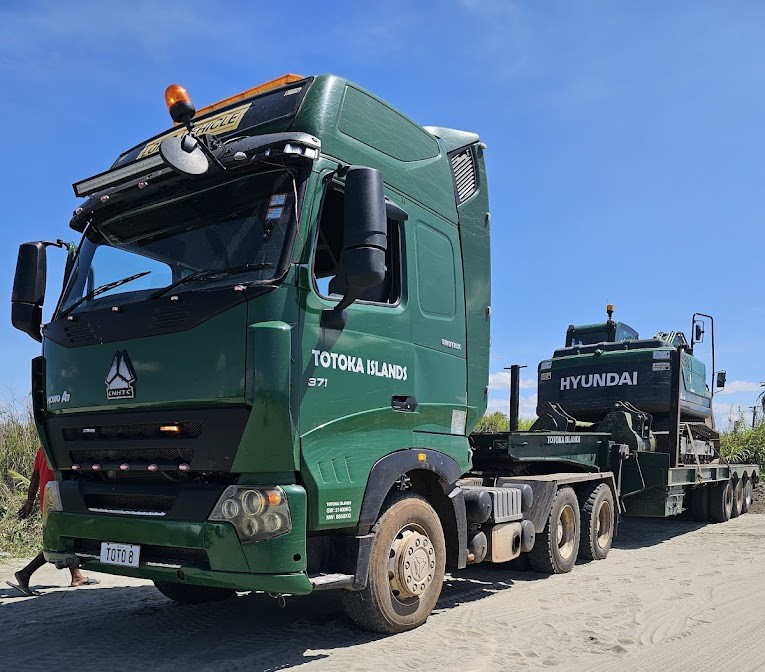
column 269, row 354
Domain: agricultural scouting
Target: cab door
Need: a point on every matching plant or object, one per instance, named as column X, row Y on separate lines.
column 355, row 381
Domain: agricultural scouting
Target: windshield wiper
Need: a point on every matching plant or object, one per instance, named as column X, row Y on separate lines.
column 209, row 274
column 100, row 290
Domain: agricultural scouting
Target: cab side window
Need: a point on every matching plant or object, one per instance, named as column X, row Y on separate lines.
column 328, row 262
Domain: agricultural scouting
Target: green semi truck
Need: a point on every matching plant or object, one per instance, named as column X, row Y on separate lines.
column 269, row 353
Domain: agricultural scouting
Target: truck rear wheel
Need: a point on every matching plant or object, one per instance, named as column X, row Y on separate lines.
column 721, row 501
column 555, row 550
column 597, row 523
column 700, row 503
column 190, row 594
column 746, row 501
column 738, row 498
column 406, row 569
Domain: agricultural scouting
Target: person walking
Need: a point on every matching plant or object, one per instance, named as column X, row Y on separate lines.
column 41, row 475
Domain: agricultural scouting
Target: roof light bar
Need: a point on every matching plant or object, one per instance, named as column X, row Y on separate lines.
column 254, row 91
column 113, row 177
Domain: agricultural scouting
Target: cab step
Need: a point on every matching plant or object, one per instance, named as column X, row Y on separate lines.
column 331, row 581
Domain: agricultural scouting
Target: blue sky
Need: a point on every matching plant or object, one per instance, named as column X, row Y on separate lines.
column 626, row 141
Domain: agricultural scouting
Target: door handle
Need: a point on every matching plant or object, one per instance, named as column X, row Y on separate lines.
column 403, row 403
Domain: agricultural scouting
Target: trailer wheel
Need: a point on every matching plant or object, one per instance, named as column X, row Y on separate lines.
column 700, row 503
column 721, row 501
column 746, row 500
column 555, row 550
column 597, row 523
column 738, row 498
column 406, row 569
column 190, row 594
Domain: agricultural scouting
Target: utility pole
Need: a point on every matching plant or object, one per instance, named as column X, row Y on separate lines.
column 760, row 403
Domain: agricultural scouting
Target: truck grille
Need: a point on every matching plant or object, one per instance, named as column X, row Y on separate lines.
column 124, row 502
column 165, row 555
column 131, row 455
column 145, row 432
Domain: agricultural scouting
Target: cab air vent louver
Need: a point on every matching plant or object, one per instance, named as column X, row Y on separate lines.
column 464, row 175
column 80, row 332
column 169, row 318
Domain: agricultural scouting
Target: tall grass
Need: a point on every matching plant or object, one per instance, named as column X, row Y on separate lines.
column 18, row 445
column 744, row 444
column 499, row 422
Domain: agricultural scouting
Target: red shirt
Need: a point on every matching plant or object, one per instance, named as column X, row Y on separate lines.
column 44, row 472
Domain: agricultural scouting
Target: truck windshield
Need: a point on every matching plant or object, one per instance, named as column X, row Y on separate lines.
column 237, row 232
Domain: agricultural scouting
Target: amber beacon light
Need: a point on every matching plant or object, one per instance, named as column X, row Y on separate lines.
column 179, row 104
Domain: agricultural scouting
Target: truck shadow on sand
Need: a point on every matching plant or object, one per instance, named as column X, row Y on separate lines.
column 137, row 628
column 634, row 533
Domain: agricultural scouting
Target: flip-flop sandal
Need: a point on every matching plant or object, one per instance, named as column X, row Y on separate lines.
column 27, row 592
column 89, row 582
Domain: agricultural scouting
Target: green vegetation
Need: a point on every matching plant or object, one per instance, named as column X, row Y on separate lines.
column 499, row 422
column 18, row 445
column 744, row 444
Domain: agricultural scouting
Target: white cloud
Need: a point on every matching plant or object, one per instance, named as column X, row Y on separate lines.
column 738, row 386
column 501, row 381
column 527, row 406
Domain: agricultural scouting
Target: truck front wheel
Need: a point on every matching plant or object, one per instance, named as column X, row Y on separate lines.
column 555, row 550
column 406, row 568
column 189, row 594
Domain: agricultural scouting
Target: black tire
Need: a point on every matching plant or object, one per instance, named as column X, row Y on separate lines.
column 401, row 595
column 746, row 502
column 721, row 501
column 555, row 550
column 190, row 594
column 597, row 522
column 738, row 498
column 700, row 503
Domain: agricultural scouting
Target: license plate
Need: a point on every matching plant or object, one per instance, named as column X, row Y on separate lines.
column 120, row 554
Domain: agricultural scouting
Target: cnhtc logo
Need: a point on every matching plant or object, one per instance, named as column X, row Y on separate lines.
column 121, row 377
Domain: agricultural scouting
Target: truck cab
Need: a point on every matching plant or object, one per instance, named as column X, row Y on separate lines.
column 276, row 315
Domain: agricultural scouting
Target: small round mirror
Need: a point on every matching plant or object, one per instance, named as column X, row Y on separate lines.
column 184, row 155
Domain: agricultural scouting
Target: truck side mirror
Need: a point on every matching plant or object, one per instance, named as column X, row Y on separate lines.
column 28, row 293
column 698, row 332
column 365, row 240
column 721, row 379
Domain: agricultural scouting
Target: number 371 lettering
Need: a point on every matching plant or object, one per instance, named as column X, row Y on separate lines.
column 317, row 382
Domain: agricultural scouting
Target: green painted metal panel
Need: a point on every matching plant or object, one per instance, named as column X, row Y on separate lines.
column 203, row 365
column 476, row 265
column 427, row 181
column 218, row 539
column 389, row 132
column 436, row 281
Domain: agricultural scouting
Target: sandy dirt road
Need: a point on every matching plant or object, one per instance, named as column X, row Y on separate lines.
column 672, row 595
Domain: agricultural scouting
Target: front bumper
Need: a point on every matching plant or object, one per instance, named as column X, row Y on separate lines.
column 201, row 553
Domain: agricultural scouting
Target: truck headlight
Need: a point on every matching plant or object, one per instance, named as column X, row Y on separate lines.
column 256, row 513
column 51, row 500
